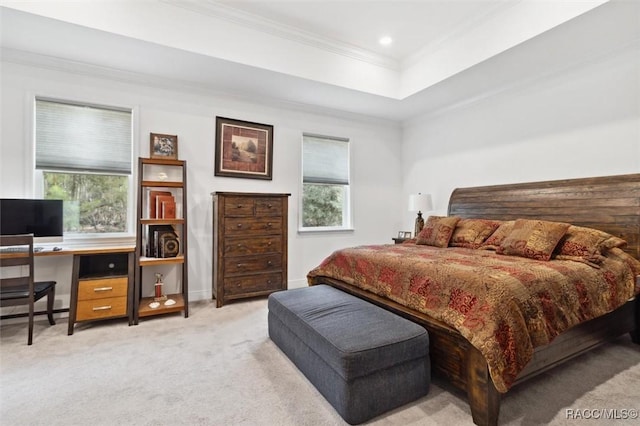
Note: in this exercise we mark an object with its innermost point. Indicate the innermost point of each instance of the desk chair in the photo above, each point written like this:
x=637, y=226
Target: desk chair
x=17, y=287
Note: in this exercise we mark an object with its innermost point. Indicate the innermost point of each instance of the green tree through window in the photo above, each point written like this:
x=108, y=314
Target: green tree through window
x=93, y=203
x=322, y=205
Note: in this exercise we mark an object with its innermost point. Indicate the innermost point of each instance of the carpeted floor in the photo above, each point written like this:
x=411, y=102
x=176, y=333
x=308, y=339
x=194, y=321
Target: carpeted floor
x=218, y=367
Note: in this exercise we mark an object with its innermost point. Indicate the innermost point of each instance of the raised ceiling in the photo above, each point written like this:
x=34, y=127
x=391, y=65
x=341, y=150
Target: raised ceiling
x=321, y=54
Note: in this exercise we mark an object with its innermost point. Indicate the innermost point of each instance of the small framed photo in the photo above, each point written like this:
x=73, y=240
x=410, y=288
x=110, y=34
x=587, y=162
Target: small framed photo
x=401, y=234
x=243, y=149
x=406, y=234
x=164, y=146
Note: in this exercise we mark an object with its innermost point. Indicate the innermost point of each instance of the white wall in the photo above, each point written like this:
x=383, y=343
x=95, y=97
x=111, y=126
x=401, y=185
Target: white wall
x=375, y=160
x=579, y=123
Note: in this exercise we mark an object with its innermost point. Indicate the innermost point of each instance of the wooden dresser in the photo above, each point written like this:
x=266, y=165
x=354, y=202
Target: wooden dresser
x=249, y=244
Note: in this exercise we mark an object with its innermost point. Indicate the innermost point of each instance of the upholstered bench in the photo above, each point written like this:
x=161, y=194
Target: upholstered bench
x=363, y=359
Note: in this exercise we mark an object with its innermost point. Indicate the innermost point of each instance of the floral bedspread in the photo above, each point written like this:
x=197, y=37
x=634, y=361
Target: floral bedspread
x=504, y=305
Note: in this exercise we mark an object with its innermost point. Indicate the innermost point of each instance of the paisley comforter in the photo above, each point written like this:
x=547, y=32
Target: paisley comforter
x=504, y=305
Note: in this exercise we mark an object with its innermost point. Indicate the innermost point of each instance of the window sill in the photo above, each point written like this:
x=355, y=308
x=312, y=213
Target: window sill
x=324, y=230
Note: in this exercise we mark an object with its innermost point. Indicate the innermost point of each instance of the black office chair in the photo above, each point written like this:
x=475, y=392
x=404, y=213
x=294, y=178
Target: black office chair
x=17, y=286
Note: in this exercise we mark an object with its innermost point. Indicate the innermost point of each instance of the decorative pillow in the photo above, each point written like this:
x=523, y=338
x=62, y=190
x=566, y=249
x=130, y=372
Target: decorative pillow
x=494, y=241
x=586, y=244
x=534, y=239
x=437, y=231
x=471, y=233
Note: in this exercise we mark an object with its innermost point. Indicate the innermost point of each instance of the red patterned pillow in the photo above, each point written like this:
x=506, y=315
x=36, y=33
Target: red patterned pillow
x=437, y=231
x=534, y=239
x=586, y=244
x=471, y=233
x=494, y=241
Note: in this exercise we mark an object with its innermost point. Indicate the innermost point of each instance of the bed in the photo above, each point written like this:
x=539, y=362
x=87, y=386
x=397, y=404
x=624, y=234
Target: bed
x=610, y=204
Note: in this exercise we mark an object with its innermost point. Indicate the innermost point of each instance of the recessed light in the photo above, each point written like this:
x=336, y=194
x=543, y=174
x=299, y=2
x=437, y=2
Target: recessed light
x=385, y=41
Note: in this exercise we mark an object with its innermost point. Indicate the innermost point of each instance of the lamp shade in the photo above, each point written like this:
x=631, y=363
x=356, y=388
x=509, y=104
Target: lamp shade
x=420, y=203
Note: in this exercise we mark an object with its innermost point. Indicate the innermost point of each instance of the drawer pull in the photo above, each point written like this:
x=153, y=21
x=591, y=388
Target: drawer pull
x=269, y=225
x=269, y=206
x=240, y=265
x=269, y=263
x=269, y=282
x=102, y=308
x=97, y=289
x=269, y=243
x=239, y=206
x=240, y=245
x=239, y=225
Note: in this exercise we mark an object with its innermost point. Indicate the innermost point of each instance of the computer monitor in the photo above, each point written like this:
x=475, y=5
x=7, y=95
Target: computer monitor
x=42, y=218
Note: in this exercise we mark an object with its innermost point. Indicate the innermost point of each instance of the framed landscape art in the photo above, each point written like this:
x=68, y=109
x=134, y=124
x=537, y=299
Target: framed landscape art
x=243, y=149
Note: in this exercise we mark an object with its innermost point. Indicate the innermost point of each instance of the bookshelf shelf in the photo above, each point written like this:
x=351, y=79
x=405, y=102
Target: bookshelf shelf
x=146, y=311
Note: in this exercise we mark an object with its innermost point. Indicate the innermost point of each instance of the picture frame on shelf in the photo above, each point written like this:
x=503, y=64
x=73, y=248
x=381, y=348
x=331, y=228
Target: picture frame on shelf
x=163, y=146
x=243, y=149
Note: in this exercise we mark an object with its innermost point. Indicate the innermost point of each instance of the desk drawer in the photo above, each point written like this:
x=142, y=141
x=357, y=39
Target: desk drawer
x=101, y=308
x=102, y=288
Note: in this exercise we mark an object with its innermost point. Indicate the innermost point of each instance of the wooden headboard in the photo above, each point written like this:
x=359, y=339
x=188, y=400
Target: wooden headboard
x=608, y=203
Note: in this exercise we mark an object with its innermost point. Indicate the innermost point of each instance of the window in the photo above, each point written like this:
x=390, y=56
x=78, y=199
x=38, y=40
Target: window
x=83, y=156
x=325, y=184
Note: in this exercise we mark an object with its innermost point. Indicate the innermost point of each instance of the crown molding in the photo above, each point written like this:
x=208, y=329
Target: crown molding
x=257, y=23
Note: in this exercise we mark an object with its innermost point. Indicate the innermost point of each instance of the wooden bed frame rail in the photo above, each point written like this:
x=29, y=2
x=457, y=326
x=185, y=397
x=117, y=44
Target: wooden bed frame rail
x=610, y=203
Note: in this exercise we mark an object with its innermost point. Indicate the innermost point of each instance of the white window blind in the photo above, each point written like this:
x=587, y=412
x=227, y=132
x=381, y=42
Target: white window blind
x=325, y=160
x=82, y=138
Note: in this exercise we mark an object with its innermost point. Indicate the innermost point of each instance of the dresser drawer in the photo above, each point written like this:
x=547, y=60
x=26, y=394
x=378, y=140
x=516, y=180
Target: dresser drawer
x=238, y=206
x=249, y=264
x=246, y=225
x=102, y=288
x=268, y=207
x=252, y=284
x=253, y=245
x=101, y=308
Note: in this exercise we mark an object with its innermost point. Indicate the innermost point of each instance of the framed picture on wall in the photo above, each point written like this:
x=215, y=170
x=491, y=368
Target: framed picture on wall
x=243, y=149
x=164, y=146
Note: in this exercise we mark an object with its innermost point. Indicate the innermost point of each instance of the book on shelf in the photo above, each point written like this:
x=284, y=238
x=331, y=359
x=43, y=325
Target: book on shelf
x=160, y=199
x=153, y=204
x=169, y=209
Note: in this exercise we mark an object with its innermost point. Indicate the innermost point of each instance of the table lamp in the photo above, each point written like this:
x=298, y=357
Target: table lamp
x=419, y=202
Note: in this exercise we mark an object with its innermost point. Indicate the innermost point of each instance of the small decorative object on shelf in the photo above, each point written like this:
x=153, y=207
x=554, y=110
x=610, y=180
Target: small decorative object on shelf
x=159, y=297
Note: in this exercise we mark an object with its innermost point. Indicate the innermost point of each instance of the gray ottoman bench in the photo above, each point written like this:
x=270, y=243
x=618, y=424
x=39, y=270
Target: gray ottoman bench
x=363, y=359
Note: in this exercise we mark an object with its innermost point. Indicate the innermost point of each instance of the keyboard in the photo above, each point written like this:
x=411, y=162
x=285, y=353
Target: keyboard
x=14, y=249
x=19, y=249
